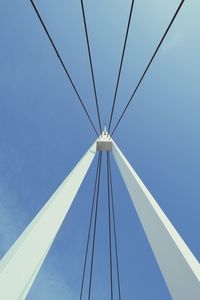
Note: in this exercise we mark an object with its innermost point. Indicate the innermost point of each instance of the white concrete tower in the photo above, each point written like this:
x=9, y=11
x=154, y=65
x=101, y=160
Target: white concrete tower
x=22, y=262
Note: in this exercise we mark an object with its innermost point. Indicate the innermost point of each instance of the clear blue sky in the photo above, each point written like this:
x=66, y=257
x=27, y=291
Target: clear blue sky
x=44, y=132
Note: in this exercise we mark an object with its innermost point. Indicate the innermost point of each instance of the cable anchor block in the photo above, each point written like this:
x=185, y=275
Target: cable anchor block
x=104, y=143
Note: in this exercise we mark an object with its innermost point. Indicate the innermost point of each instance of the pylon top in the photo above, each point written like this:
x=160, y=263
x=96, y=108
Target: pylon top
x=104, y=143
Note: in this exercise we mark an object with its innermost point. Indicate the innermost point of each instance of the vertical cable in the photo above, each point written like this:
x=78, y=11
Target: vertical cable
x=95, y=224
x=149, y=64
x=63, y=65
x=109, y=224
x=121, y=63
x=89, y=230
x=91, y=65
x=115, y=232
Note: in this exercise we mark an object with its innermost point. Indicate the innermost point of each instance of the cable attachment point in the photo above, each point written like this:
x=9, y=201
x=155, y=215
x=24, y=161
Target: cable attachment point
x=104, y=143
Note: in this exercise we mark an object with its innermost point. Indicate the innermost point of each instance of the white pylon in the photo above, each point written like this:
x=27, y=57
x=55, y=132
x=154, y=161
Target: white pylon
x=179, y=267
x=22, y=262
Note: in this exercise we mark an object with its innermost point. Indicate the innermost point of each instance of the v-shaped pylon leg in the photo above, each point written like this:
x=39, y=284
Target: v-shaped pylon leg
x=22, y=262
x=178, y=265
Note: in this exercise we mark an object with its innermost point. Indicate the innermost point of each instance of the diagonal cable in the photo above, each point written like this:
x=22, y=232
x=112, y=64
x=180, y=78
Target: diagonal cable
x=91, y=65
x=114, y=229
x=89, y=230
x=147, y=67
x=121, y=63
x=109, y=228
x=94, y=232
x=63, y=65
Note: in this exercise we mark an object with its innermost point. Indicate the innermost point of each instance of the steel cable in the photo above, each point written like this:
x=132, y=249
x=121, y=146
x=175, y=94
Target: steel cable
x=94, y=232
x=121, y=63
x=91, y=65
x=63, y=65
x=147, y=67
x=89, y=230
x=109, y=228
x=114, y=230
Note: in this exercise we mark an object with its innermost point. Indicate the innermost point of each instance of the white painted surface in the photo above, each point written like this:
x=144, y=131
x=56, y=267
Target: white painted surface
x=104, y=142
x=22, y=262
x=179, y=267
